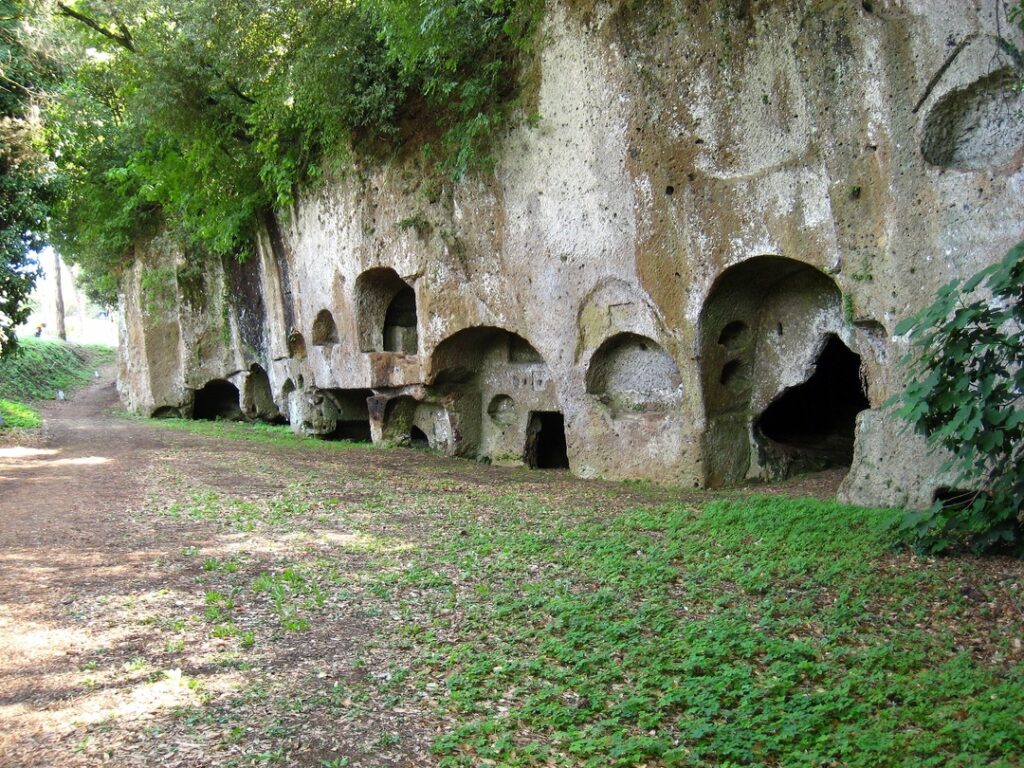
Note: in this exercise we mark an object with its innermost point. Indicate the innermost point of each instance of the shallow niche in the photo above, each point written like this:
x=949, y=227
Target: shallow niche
x=385, y=312
x=978, y=126
x=325, y=330
x=502, y=410
x=296, y=345
x=632, y=373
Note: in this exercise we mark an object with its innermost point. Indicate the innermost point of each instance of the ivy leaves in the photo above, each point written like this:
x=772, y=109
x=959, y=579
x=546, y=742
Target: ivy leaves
x=967, y=396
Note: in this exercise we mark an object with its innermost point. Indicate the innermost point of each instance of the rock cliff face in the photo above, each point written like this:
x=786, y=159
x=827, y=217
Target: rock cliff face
x=688, y=270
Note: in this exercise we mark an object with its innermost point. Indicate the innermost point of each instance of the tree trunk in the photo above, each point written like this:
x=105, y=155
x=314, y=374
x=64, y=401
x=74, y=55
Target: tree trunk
x=61, y=330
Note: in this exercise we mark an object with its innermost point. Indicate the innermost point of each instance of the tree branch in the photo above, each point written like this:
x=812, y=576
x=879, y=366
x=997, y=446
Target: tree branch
x=121, y=36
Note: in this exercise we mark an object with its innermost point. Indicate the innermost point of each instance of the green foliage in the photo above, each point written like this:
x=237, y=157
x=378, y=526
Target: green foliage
x=967, y=396
x=42, y=367
x=201, y=116
x=743, y=633
x=25, y=189
x=18, y=416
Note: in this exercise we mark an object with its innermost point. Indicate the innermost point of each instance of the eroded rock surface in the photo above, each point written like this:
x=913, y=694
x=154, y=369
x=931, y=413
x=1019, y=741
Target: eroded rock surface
x=718, y=216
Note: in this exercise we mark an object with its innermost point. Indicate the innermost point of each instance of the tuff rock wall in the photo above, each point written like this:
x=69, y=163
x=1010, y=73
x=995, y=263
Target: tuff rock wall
x=691, y=267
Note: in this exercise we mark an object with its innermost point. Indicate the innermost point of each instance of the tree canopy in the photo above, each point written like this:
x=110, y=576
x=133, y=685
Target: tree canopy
x=25, y=187
x=200, y=115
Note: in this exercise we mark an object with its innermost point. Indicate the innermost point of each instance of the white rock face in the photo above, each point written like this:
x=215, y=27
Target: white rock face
x=710, y=220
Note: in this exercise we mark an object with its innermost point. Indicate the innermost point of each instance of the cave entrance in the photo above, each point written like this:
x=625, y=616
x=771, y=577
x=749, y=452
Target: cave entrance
x=812, y=424
x=352, y=431
x=418, y=439
x=218, y=399
x=545, y=441
x=352, y=415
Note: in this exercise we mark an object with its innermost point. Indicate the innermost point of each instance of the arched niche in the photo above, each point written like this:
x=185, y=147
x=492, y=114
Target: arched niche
x=494, y=383
x=217, y=399
x=385, y=312
x=468, y=353
x=978, y=126
x=296, y=345
x=629, y=372
x=770, y=326
x=325, y=331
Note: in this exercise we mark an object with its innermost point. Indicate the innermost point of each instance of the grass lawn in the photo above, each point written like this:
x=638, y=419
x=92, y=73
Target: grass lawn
x=561, y=623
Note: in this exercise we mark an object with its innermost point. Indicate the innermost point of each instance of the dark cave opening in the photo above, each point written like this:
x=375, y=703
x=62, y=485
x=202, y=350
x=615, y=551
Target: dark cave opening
x=218, y=399
x=418, y=438
x=545, y=445
x=815, y=421
x=354, y=431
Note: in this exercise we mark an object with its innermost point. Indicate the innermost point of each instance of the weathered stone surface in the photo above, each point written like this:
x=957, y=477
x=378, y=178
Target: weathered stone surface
x=713, y=193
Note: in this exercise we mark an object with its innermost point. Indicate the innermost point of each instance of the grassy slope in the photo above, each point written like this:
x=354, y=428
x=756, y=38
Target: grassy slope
x=19, y=416
x=39, y=371
x=43, y=367
x=748, y=631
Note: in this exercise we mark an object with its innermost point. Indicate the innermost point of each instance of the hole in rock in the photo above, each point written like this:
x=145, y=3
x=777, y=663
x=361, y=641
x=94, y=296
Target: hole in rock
x=954, y=498
x=545, y=441
x=166, y=412
x=219, y=399
x=735, y=335
x=815, y=420
x=418, y=438
x=351, y=413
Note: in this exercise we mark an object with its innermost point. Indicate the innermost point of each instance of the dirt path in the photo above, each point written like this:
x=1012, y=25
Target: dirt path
x=60, y=503
x=135, y=630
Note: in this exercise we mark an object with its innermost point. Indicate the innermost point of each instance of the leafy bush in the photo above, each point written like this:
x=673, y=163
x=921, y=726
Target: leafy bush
x=967, y=396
